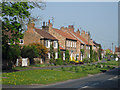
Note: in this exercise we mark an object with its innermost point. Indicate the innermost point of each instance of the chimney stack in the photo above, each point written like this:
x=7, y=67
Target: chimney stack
x=78, y=32
x=70, y=28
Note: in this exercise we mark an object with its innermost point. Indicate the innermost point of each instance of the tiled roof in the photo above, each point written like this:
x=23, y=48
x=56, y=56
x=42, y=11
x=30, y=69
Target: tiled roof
x=45, y=34
x=75, y=37
x=64, y=34
x=85, y=41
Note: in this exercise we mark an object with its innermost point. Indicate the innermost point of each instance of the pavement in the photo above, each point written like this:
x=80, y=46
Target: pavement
x=108, y=80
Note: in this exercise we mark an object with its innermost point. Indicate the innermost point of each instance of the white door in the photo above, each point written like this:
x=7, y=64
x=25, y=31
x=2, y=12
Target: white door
x=24, y=61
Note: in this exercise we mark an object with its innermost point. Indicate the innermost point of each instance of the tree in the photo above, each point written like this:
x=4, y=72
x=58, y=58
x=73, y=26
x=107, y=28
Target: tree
x=52, y=54
x=99, y=52
x=9, y=55
x=67, y=56
x=29, y=52
x=91, y=54
x=59, y=53
x=41, y=49
x=14, y=16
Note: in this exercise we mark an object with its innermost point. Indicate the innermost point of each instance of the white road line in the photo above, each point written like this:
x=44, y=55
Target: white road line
x=85, y=87
x=95, y=83
x=116, y=77
x=110, y=79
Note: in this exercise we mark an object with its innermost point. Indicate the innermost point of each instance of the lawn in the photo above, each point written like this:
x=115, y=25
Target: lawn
x=39, y=77
x=47, y=76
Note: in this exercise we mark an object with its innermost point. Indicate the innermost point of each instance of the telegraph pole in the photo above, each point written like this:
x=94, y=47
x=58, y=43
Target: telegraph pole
x=112, y=48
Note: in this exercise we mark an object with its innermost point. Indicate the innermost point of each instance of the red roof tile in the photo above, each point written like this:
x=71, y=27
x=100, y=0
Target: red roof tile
x=45, y=34
x=85, y=41
x=64, y=34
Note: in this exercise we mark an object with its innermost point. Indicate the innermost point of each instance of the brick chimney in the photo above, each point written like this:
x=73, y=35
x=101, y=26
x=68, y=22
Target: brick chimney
x=50, y=26
x=62, y=28
x=45, y=27
x=78, y=31
x=70, y=28
x=83, y=33
x=30, y=26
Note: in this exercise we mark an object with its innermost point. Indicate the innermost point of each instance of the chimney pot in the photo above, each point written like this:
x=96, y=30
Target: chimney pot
x=43, y=23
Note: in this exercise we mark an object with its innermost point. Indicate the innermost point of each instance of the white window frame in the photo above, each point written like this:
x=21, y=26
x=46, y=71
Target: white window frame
x=55, y=44
x=75, y=44
x=47, y=43
x=71, y=43
x=56, y=55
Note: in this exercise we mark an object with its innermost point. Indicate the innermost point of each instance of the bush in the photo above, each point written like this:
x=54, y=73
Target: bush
x=29, y=52
x=59, y=61
x=86, y=60
x=9, y=54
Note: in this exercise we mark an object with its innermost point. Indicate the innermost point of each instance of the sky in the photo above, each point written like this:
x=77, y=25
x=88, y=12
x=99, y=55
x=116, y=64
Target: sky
x=99, y=18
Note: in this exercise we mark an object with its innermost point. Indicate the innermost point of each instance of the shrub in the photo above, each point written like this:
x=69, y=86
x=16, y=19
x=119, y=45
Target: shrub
x=59, y=61
x=86, y=60
x=67, y=56
x=9, y=54
x=29, y=52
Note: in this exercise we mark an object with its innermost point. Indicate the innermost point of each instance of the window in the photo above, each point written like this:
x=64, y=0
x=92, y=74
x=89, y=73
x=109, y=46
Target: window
x=75, y=44
x=71, y=43
x=21, y=41
x=63, y=55
x=55, y=44
x=47, y=44
x=81, y=46
x=56, y=55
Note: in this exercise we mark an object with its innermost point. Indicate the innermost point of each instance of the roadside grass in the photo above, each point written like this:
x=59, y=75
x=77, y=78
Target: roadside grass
x=39, y=77
x=0, y=78
x=53, y=75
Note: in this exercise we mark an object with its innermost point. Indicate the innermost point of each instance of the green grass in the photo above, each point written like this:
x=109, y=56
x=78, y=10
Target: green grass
x=54, y=75
x=39, y=77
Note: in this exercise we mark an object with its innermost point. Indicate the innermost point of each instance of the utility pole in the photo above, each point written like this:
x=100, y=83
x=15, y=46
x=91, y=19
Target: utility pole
x=112, y=48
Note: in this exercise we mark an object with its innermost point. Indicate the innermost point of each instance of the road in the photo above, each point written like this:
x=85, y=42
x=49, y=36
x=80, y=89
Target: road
x=103, y=80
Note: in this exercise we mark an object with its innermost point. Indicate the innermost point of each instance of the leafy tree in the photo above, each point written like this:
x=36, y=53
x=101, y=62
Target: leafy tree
x=29, y=52
x=67, y=56
x=95, y=56
x=41, y=49
x=99, y=52
x=91, y=54
x=14, y=17
x=59, y=53
x=52, y=54
x=9, y=55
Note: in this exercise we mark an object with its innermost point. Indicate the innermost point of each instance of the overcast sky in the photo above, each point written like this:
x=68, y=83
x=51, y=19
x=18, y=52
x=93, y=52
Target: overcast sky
x=100, y=18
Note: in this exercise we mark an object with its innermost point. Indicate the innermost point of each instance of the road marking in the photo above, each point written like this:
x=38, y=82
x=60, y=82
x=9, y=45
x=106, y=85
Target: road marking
x=116, y=77
x=95, y=83
x=110, y=78
x=85, y=87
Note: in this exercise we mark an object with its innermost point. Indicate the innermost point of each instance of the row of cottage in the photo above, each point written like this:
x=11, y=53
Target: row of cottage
x=65, y=36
